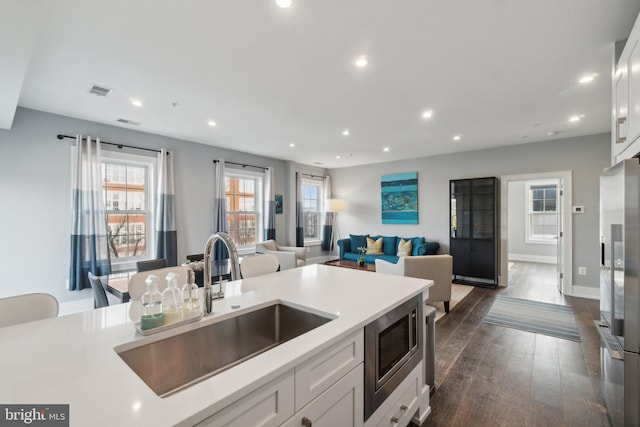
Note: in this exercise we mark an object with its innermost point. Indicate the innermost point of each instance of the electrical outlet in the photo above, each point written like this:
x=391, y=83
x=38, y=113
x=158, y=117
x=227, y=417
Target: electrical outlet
x=582, y=270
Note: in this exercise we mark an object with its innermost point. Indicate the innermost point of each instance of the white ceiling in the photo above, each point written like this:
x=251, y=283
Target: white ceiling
x=497, y=72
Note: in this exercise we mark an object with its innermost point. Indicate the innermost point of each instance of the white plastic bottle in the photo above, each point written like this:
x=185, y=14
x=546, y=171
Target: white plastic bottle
x=191, y=299
x=172, y=300
x=151, y=305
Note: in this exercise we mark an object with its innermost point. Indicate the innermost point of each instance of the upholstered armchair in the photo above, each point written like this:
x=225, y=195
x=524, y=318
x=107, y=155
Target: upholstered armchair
x=438, y=268
x=289, y=256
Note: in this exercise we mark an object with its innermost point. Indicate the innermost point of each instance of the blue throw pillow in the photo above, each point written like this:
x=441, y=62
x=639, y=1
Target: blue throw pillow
x=358, y=241
x=415, y=242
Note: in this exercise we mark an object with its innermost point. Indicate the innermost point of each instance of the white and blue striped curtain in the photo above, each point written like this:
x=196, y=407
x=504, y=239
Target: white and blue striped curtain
x=220, y=210
x=327, y=225
x=89, y=236
x=166, y=238
x=299, y=212
x=269, y=205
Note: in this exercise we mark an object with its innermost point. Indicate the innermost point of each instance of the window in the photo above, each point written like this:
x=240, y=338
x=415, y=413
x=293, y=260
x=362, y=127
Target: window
x=244, y=208
x=543, y=217
x=312, y=199
x=128, y=196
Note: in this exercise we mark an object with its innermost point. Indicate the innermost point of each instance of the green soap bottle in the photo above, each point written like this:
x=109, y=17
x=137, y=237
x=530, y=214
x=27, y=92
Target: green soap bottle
x=151, y=305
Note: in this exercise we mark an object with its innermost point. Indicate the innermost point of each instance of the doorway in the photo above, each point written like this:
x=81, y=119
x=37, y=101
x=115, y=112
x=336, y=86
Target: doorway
x=535, y=223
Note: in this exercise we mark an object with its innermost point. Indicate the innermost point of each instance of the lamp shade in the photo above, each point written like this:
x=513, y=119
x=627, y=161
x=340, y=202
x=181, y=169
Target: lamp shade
x=334, y=205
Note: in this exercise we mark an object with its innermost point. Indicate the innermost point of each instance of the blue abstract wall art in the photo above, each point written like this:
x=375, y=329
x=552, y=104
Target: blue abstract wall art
x=399, y=198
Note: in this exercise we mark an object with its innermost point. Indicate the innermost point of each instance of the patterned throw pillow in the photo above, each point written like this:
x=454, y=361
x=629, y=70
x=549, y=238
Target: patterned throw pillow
x=405, y=247
x=374, y=247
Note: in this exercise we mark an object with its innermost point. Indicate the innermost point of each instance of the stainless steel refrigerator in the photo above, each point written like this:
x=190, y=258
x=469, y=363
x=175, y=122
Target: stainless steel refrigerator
x=619, y=291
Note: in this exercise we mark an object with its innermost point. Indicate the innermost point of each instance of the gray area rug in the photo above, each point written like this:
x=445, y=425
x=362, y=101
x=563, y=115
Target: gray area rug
x=534, y=316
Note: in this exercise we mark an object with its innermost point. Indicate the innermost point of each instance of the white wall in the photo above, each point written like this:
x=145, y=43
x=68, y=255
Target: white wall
x=35, y=185
x=585, y=156
x=519, y=248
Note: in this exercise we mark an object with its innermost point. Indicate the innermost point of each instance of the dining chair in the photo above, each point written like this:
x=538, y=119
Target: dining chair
x=99, y=294
x=27, y=308
x=151, y=264
x=251, y=266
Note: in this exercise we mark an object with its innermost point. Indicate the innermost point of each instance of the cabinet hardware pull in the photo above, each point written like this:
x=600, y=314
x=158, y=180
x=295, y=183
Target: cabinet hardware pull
x=620, y=121
x=306, y=422
x=396, y=420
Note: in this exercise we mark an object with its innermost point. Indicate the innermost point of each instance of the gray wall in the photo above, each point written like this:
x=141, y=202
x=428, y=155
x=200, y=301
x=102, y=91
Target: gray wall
x=585, y=156
x=518, y=245
x=35, y=186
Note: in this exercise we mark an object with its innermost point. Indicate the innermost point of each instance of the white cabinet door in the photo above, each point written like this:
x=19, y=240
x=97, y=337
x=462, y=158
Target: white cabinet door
x=620, y=107
x=633, y=72
x=269, y=405
x=342, y=405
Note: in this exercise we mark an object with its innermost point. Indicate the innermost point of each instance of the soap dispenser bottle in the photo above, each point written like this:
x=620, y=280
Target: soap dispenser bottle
x=172, y=300
x=191, y=299
x=151, y=305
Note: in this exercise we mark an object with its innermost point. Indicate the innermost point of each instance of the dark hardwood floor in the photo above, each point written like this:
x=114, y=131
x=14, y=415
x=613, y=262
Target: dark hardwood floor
x=489, y=375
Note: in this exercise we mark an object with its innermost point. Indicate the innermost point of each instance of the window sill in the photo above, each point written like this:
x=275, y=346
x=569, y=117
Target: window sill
x=312, y=243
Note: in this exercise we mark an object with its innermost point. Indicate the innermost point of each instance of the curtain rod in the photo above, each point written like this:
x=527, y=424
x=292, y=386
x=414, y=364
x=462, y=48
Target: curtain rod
x=114, y=144
x=244, y=165
x=312, y=176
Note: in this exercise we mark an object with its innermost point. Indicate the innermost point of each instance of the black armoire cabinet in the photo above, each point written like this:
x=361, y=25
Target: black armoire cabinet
x=473, y=241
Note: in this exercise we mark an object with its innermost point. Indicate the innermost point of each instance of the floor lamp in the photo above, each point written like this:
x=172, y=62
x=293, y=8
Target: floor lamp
x=335, y=206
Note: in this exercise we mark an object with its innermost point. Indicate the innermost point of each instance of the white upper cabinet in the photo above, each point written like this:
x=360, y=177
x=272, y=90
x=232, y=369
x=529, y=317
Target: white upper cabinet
x=625, y=131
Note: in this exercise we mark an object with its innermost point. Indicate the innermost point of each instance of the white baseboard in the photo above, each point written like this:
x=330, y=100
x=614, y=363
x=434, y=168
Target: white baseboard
x=533, y=258
x=585, y=292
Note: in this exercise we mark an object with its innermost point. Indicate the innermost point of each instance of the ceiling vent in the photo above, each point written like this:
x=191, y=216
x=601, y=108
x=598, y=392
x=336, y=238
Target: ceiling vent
x=129, y=122
x=99, y=90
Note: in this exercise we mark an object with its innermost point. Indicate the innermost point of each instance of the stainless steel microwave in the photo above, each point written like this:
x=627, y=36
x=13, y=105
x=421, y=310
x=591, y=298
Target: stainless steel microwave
x=393, y=347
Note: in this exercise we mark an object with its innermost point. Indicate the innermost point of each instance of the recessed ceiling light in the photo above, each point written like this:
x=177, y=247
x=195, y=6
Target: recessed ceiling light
x=211, y=123
x=385, y=149
x=588, y=78
x=136, y=102
x=337, y=157
x=292, y=145
x=427, y=114
x=283, y=3
x=457, y=137
x=345, y=132
x=362, y=61
x=574, y=118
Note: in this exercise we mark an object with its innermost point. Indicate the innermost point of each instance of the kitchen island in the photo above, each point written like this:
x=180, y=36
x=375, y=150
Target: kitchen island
x=71, y=359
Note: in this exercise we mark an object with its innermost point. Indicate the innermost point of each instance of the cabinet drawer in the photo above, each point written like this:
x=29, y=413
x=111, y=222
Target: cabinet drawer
x=323, y=370
x=403, y=403
x=269, y=405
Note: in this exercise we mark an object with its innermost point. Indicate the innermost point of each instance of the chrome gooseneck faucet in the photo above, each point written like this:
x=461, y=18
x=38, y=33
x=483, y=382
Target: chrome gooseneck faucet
x=209, y=295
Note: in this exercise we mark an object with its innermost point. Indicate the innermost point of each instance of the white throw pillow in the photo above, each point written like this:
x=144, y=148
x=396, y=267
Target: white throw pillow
x=405, y=248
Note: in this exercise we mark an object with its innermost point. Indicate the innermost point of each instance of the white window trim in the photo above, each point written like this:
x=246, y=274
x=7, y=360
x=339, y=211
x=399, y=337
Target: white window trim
x=259, y=203
x=320, y=184
x=151, y=162
x=527, y=210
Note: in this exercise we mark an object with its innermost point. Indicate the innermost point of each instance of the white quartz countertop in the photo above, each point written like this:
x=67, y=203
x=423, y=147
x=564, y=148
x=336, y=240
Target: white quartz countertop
x=71, y=359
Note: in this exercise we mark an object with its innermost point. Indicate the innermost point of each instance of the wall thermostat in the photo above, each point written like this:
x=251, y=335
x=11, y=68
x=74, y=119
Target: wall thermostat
x=578, y=209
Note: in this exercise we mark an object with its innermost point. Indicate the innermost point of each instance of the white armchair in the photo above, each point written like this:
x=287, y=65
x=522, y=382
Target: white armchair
x=289, y=256
x=438, y=268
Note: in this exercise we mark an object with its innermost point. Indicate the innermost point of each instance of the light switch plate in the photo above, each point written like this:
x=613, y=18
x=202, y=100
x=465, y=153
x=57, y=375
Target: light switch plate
x=578, y=209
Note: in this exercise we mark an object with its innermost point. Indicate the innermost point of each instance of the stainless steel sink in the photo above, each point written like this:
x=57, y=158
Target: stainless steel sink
x=179, y=361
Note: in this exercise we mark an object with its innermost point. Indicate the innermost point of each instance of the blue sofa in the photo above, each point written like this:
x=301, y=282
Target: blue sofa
x=348, y=247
